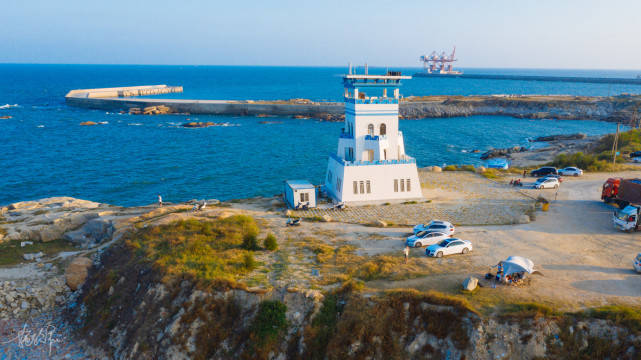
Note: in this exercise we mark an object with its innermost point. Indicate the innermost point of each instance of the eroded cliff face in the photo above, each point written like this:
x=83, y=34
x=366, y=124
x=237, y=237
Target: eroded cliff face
x=130, y=310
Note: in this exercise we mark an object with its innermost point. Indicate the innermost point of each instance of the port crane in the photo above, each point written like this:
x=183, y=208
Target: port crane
x=439, y=63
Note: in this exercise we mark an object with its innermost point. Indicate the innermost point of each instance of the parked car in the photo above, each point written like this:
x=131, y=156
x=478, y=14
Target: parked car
x=426, y=237
x=547, y=183
x=449, y=247
x=435, y=225
x=636, y=159
x=635, y=154
x=546, y=170
x=637, y=263
x=558, y=177
x=571, y=171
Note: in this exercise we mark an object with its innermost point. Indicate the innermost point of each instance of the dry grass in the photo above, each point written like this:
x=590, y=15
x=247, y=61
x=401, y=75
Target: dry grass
x=206, y=250
x=341, y=262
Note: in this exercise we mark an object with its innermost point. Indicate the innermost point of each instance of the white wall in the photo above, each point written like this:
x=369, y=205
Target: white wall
x=381, y=178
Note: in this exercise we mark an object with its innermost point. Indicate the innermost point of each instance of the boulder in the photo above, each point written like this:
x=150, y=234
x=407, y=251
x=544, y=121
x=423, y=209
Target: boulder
x=225, y=214
x=480, y=169
x=436, y=169
x=326, y=218
x=95, y=230
x=524, y=219
x=379, y=223
x=88, y=123
x=577, y=136
x=77, y=272
x=470, y=283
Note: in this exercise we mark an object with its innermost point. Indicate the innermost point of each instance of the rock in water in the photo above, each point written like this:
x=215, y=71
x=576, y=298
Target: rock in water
x=578, y=136
x=77, y=272
x=470, y=283
x=88, y=123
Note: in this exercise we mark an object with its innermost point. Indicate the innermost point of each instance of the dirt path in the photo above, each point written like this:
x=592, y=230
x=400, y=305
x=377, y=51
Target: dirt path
x=584, y=259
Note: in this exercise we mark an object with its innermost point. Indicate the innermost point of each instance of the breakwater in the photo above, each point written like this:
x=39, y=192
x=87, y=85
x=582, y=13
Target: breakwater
x=621, y=109
x=126, y=91
x=574, y=79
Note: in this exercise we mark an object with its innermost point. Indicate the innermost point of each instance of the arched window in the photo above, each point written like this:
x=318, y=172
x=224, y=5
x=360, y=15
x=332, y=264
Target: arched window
x=383, y=129
x=370, y=129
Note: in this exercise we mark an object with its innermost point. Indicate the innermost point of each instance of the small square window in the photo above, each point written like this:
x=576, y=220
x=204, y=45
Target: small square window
x=408, y=186
x=402, y=185
x=355, y=187
x=362, y=184
x=368, y=185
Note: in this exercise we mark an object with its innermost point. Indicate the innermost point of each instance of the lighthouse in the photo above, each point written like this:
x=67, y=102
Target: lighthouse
x=370, y=163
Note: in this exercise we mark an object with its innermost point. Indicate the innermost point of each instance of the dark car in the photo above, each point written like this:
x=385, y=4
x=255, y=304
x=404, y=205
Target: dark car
x=546, y=170
x=635, y=154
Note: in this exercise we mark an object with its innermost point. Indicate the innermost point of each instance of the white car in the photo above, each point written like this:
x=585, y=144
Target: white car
x=571, y=171
x=547, y=183
x=423, y=238
x=449, y=247
x=435, y=225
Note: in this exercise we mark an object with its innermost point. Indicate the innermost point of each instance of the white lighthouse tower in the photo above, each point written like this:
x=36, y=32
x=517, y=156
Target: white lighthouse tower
x=370, y=163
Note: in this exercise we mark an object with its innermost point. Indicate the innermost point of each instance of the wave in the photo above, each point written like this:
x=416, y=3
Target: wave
x=135, y=124
x=8, y=106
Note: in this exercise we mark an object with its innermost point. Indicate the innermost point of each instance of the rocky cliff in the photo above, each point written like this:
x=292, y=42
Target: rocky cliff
x=128, y=308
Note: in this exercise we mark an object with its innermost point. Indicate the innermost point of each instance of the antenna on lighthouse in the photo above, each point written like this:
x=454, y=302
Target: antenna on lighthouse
x=365, y=68
x=350, y=68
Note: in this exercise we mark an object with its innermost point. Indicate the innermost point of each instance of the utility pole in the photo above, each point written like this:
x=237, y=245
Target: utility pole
x=615, y=145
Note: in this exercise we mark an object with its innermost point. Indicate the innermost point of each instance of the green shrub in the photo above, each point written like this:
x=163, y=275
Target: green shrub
x=270, y=242
x=628, y=141
x=248, y=261
x=250, y=242
x=323, y=327
x=269, y=325
x=467, y=168
x=450, y=168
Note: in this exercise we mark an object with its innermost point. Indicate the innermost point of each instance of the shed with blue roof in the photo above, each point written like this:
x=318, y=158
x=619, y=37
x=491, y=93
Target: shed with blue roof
x=300, y=194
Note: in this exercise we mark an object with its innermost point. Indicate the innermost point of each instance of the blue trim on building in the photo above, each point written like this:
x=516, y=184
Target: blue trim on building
x=372, y=101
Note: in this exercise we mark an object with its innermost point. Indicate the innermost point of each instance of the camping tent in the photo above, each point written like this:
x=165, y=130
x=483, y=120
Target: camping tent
x=515, y=264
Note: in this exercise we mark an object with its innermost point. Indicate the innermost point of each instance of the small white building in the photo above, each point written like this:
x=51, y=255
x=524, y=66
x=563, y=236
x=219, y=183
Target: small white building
x=299, y=194
x=370, y=163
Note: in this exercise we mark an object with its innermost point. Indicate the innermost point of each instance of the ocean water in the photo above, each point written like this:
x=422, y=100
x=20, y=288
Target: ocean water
x=129, y=160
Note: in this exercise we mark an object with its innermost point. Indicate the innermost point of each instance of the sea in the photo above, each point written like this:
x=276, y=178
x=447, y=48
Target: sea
x=130, y=160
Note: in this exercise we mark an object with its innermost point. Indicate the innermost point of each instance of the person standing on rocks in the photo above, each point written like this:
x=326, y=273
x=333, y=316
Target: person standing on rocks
x=159, y=201
x=524, y=172
x=406, y=252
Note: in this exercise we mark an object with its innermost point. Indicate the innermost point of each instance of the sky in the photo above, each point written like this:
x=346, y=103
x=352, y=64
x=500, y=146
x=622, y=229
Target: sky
x=558, y=34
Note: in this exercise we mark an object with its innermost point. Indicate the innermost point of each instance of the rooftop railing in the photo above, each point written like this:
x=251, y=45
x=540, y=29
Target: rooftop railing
x=372, y=101
x=405, y=160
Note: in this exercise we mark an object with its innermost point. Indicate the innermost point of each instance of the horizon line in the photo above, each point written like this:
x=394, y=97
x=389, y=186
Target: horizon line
x=313, y=66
